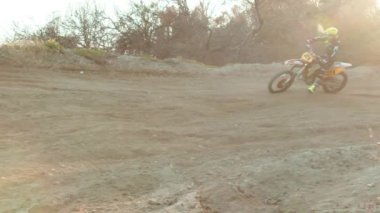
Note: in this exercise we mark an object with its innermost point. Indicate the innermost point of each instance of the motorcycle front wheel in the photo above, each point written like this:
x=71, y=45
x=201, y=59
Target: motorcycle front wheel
x=281, y=82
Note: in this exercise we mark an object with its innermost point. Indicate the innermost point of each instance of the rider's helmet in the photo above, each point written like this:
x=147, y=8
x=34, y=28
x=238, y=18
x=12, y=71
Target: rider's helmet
x=330, y=33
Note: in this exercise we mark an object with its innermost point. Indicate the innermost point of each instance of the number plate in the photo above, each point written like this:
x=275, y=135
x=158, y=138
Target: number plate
x=333, y=72
x=307, y=57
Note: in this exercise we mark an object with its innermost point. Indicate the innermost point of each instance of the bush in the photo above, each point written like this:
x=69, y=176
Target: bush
x=53, y=45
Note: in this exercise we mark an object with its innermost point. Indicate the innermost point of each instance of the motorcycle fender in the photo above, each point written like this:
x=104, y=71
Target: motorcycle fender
x=343, y=64
x=294, y=62
x=338, y=70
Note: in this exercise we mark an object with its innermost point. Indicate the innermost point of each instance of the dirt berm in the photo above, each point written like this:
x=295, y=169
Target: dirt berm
x=141, y=135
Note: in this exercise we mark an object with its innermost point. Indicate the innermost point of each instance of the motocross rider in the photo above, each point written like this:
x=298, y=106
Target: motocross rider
x=331, y=39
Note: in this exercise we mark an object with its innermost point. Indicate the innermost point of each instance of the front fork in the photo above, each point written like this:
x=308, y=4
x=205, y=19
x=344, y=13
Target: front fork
x=298, y=72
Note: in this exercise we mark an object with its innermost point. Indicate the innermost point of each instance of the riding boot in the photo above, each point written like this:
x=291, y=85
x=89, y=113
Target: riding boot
x=312, y=88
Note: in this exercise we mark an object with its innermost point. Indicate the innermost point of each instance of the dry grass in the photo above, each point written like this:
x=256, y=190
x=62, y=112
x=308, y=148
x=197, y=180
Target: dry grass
x=48, y=54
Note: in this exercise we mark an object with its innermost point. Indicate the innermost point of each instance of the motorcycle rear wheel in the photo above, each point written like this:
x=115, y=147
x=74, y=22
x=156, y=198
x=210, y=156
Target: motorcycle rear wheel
x=335, y=84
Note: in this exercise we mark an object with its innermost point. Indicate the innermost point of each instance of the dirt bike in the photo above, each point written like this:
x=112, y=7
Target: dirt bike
x=332, y=80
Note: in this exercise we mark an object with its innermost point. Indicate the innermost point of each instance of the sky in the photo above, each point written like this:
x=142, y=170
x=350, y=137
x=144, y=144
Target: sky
x=37, y=12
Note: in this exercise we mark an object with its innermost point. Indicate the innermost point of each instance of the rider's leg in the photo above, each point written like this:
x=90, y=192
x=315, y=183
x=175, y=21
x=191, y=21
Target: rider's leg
x=315, y=85
x=324, y=67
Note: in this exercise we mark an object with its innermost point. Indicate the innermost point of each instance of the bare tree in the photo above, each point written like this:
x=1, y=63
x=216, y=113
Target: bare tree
x=51, y=30
x=183, y=7
x=257, y=25
x=21, y=32
x=89, y=23
x=137, y=27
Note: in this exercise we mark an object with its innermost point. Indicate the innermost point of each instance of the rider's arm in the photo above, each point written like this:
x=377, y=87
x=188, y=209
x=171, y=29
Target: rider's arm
x=334, y=52
x=330, y=55
x=315, y=39
x=335, y=48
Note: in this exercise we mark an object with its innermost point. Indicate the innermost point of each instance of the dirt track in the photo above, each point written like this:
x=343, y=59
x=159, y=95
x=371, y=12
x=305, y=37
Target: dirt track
x=114, y=142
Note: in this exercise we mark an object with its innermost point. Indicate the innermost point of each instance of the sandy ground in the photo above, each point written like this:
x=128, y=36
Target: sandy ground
x=186, y=142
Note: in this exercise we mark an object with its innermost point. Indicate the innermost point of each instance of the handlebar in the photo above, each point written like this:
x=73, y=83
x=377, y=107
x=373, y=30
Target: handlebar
x=308, y=45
